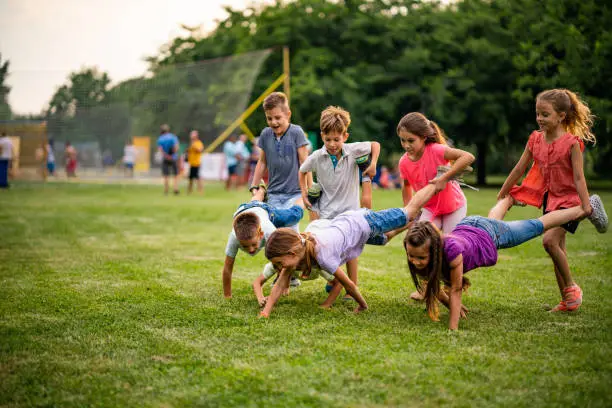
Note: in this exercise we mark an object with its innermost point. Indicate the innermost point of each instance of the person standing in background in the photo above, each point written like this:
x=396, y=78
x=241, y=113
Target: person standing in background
x=168, y=146
x=243, y=160
x=129, y=158
x=6, y=155
x=70, y=157
x=231, y=160
x=194, y=157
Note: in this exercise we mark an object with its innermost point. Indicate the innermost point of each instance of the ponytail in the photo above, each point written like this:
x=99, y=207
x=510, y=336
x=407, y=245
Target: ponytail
x=310, y=255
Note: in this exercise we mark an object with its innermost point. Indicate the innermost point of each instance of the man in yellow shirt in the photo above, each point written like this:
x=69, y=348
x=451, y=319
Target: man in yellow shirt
x=194, y=157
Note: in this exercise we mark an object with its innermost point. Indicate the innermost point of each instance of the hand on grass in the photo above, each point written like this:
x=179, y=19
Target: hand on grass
x=464, y=312
x=263, y=315
x=262, y=301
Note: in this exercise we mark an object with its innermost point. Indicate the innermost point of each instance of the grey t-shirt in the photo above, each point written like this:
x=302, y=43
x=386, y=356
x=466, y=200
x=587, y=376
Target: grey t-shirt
x=342, y=240
x=282, y=159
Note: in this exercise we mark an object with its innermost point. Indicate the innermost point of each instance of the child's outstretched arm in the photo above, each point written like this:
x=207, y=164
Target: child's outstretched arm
x=228, y=268
x=456, y=278
x=461, y=159
x=258, y=289
x=281, y=285
x=418, y=201
x=516, y=173
x=333, y=294
x=579, y=179
x=351, y=288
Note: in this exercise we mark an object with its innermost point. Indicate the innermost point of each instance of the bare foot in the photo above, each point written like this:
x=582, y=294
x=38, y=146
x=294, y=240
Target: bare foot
x=416, y=295
x=359, y=309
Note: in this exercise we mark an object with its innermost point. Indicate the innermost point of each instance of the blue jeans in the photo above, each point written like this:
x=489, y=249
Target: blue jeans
x=279, y=217
x=384, y=221
x=506, y=234
x=283, y=201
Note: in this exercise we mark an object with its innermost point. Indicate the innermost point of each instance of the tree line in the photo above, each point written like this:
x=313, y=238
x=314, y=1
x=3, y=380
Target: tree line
x=473, y=66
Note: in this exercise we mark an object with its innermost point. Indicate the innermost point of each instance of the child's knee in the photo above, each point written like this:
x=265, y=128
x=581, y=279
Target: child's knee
x=550, y=242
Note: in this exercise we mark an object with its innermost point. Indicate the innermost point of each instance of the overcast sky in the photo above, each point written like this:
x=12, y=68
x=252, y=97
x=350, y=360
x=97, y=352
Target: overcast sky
x=46, y=40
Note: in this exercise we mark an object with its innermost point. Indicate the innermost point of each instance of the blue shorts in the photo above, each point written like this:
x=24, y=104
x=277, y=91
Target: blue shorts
x=231, y=170
x=51, y=167
x=279, y=217
x=129, y=165
x=506, y=234
x=384, y=221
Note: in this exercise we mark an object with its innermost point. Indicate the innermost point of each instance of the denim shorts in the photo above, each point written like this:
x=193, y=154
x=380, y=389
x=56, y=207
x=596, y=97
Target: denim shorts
x=506, y=234
x=384, y=221
x=282, y=200
x=279, y=217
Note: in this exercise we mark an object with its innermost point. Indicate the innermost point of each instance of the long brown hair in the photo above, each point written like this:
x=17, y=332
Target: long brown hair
x=418, y=124
x=285, y=241
x=438, y=270
x=578, y=118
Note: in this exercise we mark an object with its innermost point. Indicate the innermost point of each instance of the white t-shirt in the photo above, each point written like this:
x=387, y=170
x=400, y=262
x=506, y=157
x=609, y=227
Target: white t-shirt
x=6, y=148
x=341, y=239
x=50, y=154
x=129, y=154
x=233, y=245
x=339, y=185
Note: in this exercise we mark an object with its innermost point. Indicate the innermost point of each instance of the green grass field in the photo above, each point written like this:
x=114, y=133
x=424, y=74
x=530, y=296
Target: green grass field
x=111, y=296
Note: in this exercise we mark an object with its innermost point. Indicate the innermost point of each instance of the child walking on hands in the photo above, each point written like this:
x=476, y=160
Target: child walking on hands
x=556, y=179
x=333, y=244
x=252, y=225
x=435, y=257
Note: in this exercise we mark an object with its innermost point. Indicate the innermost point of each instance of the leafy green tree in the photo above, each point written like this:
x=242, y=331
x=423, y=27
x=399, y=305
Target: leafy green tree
x=73, y=107
x=5, y=108
x=474, y=66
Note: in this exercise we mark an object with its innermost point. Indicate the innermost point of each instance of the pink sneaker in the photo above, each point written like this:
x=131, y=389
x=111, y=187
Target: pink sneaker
x=573, y=297
x=561, y=307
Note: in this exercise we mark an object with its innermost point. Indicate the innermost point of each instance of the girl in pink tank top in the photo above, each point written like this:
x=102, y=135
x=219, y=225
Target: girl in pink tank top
x=426, y=149
x=556, y=178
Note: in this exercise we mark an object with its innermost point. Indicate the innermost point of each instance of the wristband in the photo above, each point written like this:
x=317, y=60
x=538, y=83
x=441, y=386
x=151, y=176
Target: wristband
x=253, y=188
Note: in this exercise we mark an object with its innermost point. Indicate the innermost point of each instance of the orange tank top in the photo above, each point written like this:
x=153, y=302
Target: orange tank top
x=551, y=172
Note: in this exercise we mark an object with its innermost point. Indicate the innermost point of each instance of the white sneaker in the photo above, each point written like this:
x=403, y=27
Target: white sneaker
x=598, y=217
